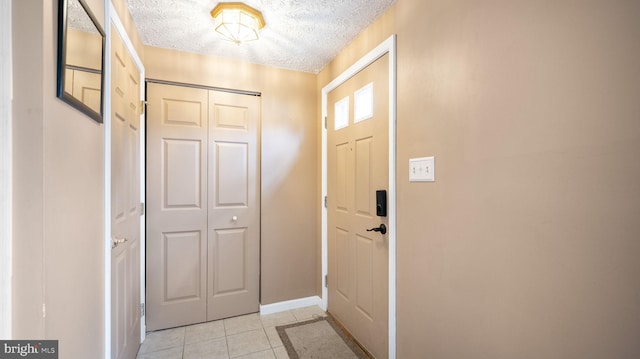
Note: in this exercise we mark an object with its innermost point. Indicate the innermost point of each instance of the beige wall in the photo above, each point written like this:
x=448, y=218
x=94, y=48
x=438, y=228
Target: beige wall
x=376, y=33
x=289, y=151
x=28, y=170
x=527, y=244
x=57, y=196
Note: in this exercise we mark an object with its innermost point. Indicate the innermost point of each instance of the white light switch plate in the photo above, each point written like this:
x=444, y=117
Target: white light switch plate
x=422, y=169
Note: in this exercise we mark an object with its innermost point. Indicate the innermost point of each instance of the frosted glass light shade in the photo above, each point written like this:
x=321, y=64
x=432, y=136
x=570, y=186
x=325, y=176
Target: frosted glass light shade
x=237, y=22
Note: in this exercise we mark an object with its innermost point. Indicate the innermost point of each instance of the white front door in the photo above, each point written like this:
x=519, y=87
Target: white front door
x=125, y=202
x=357, y=167
x=203, y=202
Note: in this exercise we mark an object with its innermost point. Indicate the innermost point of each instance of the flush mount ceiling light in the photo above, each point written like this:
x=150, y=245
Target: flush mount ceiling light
x=237, y=22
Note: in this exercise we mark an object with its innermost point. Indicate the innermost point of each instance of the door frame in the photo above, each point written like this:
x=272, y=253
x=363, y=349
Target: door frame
x=386, y=47
x=6, y=84
x=112, y=18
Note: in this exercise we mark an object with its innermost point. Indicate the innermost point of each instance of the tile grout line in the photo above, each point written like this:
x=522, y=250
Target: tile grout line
x=184, y=342
x=226, y=339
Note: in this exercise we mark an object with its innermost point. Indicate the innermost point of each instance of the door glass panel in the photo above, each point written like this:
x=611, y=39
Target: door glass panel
x=363, y=103
x=341, y=114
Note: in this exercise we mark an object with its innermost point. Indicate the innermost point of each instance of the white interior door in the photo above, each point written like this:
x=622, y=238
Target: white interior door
x=358, y=166
x=176, y=206
x=234, y=205
x=125, y=204
x=202, y=205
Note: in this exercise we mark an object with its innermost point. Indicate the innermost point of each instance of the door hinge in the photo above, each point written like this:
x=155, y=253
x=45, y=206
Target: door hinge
x=142, y=310
x=143, y=104
x=325, y=122
x=326, y=281
x=142, y=208
x=326, y=202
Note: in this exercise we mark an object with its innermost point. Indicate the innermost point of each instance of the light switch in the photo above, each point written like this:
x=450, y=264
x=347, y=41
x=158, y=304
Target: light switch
x=422, y=169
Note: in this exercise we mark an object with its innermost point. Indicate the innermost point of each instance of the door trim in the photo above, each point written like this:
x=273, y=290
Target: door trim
x=290, y=305
x=5, y=168
x=204, y=87
x=386, y=47
x=112, y=18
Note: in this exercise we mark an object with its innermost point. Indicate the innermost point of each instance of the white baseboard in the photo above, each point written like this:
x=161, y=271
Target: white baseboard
x=290, y=304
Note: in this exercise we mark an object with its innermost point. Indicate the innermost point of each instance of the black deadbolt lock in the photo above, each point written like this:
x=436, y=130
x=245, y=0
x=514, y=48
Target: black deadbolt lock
x=381, y=203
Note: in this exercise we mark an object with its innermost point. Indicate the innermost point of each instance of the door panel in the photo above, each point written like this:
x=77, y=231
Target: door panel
x=133, y=167
x=118, y=170
x=229, y=261
x=231, y=175
x=134, y=294
x=182, y=112
x=234, y=205
x=176, y=202
x=181, y=174
x=342, y=176
x=118, y=306
x=343, y=270
x=230, y=117
x=364, y=275
x=357, y=155
x=183, y=264
x=125, y=203
x=363, y=178
x=203, y=205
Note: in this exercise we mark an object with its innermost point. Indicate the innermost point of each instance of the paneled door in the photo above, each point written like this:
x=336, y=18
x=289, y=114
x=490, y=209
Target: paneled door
x=203, y=205
x=234, y=211
x=125, y=202
x=358, y=166
x=176, y=206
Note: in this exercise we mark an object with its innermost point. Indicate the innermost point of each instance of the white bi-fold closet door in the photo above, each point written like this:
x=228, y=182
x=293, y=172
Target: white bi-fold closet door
x=203, y=205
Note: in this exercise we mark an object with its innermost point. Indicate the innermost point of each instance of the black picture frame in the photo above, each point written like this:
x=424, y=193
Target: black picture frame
x=64, y=19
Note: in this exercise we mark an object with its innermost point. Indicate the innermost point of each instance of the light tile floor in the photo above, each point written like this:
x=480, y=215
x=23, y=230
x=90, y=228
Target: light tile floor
x=249, y=336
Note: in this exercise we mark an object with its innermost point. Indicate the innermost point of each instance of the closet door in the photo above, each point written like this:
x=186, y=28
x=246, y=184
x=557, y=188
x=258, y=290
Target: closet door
x=234, y=205
x=176, y=206
x=203, y=218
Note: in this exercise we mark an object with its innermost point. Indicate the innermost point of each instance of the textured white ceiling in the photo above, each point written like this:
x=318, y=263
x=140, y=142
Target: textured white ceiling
x=302, y=35
x=77, y=18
